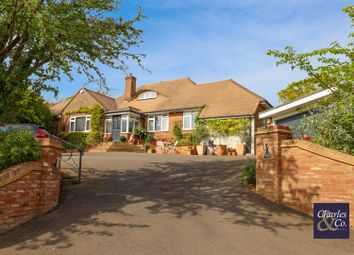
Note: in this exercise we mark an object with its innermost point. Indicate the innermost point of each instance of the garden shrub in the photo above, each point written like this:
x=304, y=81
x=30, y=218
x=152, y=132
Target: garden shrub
x=140, y=132
x=193, y=138
x=18, y=146
x=248, y=174
x=331, y=126
x=177, y=131
x=77, y=138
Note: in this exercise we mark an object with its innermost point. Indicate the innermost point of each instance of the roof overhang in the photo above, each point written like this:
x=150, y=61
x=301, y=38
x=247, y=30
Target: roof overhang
x=293, y=107
x=123, y=111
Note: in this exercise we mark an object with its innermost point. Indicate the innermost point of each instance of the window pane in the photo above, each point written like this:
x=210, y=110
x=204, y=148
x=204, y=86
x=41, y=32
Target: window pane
x=80, y=123
x=137, y=123
x=194, y=115
x=72, y=125
x=124, y=124
x=158, y=122
x=88, y=124
x=131, y=125
x=108, y=125
x=151, y=124
x=186, y=122
x=164, y=125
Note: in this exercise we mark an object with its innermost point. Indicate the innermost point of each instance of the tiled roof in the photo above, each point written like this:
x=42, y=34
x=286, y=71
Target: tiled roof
x=107, y=102
x=59, y=107
x=219, y=99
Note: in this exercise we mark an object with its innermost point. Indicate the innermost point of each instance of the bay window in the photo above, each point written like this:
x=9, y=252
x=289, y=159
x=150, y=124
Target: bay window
x=189, y=120
x=80, y=124
x=128, y=123
x=158, y=123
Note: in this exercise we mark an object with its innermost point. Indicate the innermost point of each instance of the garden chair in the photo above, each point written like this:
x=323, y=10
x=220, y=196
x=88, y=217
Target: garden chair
x=171, y=147
x=160, y=146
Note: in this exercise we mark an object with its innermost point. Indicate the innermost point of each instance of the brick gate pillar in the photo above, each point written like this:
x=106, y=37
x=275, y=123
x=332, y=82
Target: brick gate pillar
x=50, y=176
x=268, y=154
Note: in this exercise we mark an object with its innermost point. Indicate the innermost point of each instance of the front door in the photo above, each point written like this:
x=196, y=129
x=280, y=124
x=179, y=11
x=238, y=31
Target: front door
x=115, y=128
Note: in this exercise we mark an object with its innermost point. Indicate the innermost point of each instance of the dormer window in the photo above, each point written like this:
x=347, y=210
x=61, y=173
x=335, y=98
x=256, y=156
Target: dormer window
x=147, y=95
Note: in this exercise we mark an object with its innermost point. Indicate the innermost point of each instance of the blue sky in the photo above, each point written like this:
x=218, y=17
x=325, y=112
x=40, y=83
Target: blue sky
x=210, y=40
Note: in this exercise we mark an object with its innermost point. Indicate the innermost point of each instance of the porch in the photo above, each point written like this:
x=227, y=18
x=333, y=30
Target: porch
x=121, y=124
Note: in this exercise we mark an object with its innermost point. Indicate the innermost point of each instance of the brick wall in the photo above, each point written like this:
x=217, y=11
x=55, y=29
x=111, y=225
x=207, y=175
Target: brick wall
x=173, y=118
x=300, y=173
x=30, y=189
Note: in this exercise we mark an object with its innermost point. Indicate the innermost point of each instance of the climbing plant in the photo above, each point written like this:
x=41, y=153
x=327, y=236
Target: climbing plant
x=177, y=130
x=228, y=127
x=97, y=121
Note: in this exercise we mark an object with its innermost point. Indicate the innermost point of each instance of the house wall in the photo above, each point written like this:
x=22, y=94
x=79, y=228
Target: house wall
x=173, y=118
x=229, y=141
x=81, y=99
x=300, y=173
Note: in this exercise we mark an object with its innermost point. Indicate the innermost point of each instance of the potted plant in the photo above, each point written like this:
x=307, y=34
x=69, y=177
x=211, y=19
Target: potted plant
x=241, y=149
x=193, y=140
x=221, y=149
x=201, y=149
x=231, y=152
x=141, y=133
x=149, y=148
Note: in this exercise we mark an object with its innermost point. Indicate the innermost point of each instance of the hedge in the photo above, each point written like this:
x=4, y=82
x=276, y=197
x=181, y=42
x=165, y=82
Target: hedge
x=17, y=146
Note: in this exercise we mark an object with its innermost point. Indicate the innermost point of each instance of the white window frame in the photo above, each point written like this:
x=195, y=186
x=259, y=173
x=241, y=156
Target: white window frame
x=164, y=117
x=72, y=121
x=147, y=95
x=128, y=118
x=108, y=119
x=189, y=115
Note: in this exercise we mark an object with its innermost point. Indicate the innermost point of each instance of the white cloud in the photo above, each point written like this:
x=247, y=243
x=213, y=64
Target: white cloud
x=215, y=40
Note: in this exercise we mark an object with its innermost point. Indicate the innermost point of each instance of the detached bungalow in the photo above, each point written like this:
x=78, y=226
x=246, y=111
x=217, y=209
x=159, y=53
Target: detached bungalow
x=158, y=106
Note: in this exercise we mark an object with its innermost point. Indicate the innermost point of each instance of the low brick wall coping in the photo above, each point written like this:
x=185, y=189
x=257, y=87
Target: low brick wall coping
x=47, y=142
x=320, y=150
x=15, y=172
x=273, y=129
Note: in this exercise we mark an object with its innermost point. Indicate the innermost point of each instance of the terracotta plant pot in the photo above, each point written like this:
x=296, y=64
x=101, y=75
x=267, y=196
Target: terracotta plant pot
x=221, y=150
x=232, y=153
x=241, y=149
x=151, y=150
x=201, y=149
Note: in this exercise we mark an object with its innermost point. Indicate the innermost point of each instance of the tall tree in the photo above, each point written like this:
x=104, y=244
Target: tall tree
x=42, y=39
x=331, y=121
x=327, y=68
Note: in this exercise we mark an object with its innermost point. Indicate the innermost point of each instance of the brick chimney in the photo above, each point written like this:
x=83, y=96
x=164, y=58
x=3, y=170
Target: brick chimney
x=130, y=87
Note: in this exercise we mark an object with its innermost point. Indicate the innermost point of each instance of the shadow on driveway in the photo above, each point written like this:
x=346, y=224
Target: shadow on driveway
x=176, y=187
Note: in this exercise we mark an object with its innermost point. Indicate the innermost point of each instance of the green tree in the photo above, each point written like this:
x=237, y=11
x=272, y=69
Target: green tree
x=327, y=68
x=29, y=107
x=40, y=40
x=331, y=123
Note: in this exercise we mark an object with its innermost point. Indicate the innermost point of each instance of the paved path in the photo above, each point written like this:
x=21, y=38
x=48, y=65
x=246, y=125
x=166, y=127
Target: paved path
x=156, y=204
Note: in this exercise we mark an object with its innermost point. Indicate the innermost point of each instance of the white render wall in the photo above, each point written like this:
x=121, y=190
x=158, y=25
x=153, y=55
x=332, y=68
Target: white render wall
x=230, y=141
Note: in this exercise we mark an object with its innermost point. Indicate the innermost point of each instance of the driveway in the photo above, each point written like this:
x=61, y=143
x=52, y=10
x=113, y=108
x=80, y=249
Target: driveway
x=156, y=204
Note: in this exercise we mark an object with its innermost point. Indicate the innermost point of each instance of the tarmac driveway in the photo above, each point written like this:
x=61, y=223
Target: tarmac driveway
x=156, y=204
